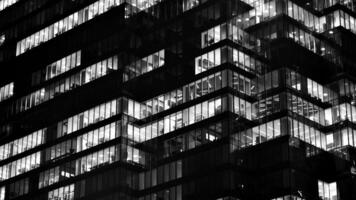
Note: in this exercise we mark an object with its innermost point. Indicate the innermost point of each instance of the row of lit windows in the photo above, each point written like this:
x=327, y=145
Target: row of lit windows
x=62, y=193
x=208, y=60
x=56, y=68
x=265, y=10
x=192, y=139
x=272, y=129
x=85, y=76
x=79, y=166
x=341, y=18
x=176, y=97
x=91, y=162
x=6, y=3
x=161, y=174
x=189, y=4
x=32, y=161
x=312, y=43
x=320, y=24
x=98, y=136
x=261, y=108
x=213, y=35
x=196, y=89
x=246, y=62
x=144, y=65
x=218, y=56
x=143, y=4
x=2, y=193
x=306, y=109
x=306, y=133
x=339, y=113
x=257, y=85
x=341, y=138
x=257, y=134
x=233, y=32
x=109, y=109
x=86, y=118
x=22, y=144
x=65, y=24
x=243, y=84
x=322, y=4
x=20, y=166
x=314, y=89
x=27, y=22
x=177, y=120
x=6, y=91
x=83, y=142
x=266, y=106
x=312, y=135
x=262, y=11
x=305, y=17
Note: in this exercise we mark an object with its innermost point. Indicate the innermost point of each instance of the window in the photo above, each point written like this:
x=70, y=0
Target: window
x=2, y=193
x=86, y=118
x=49, y=92
x=189, y=4
x=144, y=65
x=257, y=134
x=63, y=25
x=22, y=144
x=328, y=191
x=6, y=91
x=181, y=119
x=208, y=61
x=20, y=166
x=6, y=3
x=211, y=36
x=66, y=192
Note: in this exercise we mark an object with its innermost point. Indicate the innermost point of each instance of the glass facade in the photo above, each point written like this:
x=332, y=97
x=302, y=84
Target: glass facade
x=57, y=68
x=64, y=85
x=20, y=166
x=22, y=144
x=175, y=100
x=65, y=25
x=228, y=55
x=144, y=65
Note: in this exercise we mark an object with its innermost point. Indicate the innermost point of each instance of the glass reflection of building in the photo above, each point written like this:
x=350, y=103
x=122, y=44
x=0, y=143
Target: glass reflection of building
x=178, y=99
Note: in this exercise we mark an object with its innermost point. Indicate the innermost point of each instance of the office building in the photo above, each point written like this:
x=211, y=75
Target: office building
x=177, y=100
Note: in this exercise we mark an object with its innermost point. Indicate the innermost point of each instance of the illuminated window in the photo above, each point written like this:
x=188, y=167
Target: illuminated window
x=144, y=65
x=2, y=193
x=328, y=191
x=6, y=91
